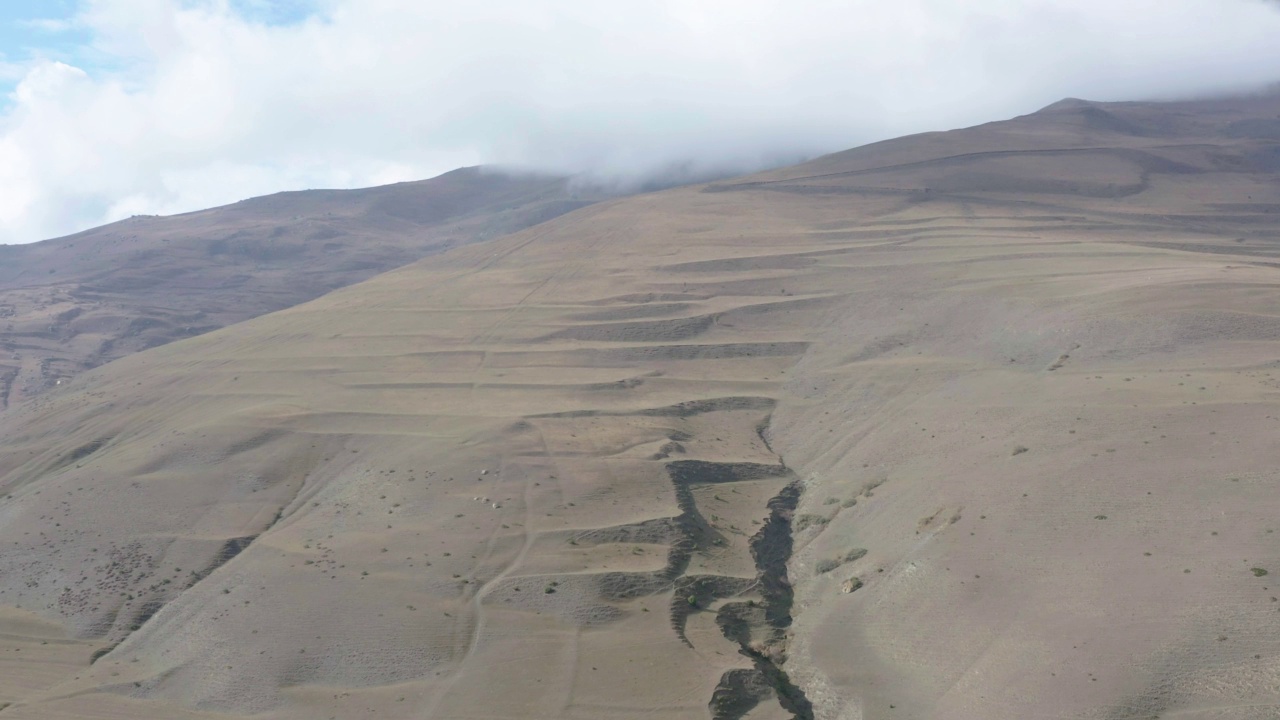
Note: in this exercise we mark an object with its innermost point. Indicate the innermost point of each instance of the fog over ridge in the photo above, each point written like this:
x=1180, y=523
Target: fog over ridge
x=175, y=105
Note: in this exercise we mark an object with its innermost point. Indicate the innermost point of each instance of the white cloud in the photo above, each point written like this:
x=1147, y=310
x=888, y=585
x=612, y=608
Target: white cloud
x=189, y=104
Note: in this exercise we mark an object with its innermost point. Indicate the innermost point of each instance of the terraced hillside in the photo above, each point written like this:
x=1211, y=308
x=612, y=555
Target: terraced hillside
x=973, y=425
x=77, y=302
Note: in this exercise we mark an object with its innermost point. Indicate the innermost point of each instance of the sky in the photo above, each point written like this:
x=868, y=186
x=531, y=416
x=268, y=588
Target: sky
x=111, y=108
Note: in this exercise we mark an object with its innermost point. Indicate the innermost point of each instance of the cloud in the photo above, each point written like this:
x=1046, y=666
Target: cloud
x=175, y=105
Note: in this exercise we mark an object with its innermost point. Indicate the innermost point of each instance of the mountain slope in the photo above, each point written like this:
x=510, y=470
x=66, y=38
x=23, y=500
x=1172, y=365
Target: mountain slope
x=968, y=425
x=80, y=301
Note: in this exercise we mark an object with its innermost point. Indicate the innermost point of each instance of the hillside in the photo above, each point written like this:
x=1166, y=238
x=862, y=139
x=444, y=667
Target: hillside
x=77, y=302
x=975, y=425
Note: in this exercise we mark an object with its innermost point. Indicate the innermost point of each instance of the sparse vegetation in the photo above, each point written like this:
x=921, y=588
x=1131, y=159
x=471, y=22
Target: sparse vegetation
x=808, y=520
x=826, y=565
x=454, y=372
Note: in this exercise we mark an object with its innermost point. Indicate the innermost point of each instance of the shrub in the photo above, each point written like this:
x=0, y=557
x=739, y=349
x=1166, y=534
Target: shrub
x=855, y=554
x=826, y=565
x=805, y=521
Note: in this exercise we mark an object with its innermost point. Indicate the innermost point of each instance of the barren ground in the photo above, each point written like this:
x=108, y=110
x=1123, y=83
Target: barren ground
x=74, y=303
x=975, y=425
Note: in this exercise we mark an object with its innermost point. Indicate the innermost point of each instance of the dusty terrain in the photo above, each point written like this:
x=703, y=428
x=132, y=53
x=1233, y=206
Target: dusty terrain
x=77, y=302
x=977, y=425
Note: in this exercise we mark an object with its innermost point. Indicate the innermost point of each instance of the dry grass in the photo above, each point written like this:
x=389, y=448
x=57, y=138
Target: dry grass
x=888, y=323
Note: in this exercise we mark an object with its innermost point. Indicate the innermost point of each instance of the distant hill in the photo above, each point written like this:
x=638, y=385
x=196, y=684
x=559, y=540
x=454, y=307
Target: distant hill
x=86, y=299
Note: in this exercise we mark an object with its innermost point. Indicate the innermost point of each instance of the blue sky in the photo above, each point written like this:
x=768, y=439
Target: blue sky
x=22, y=39
x=276, y=12
x=36, y=29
